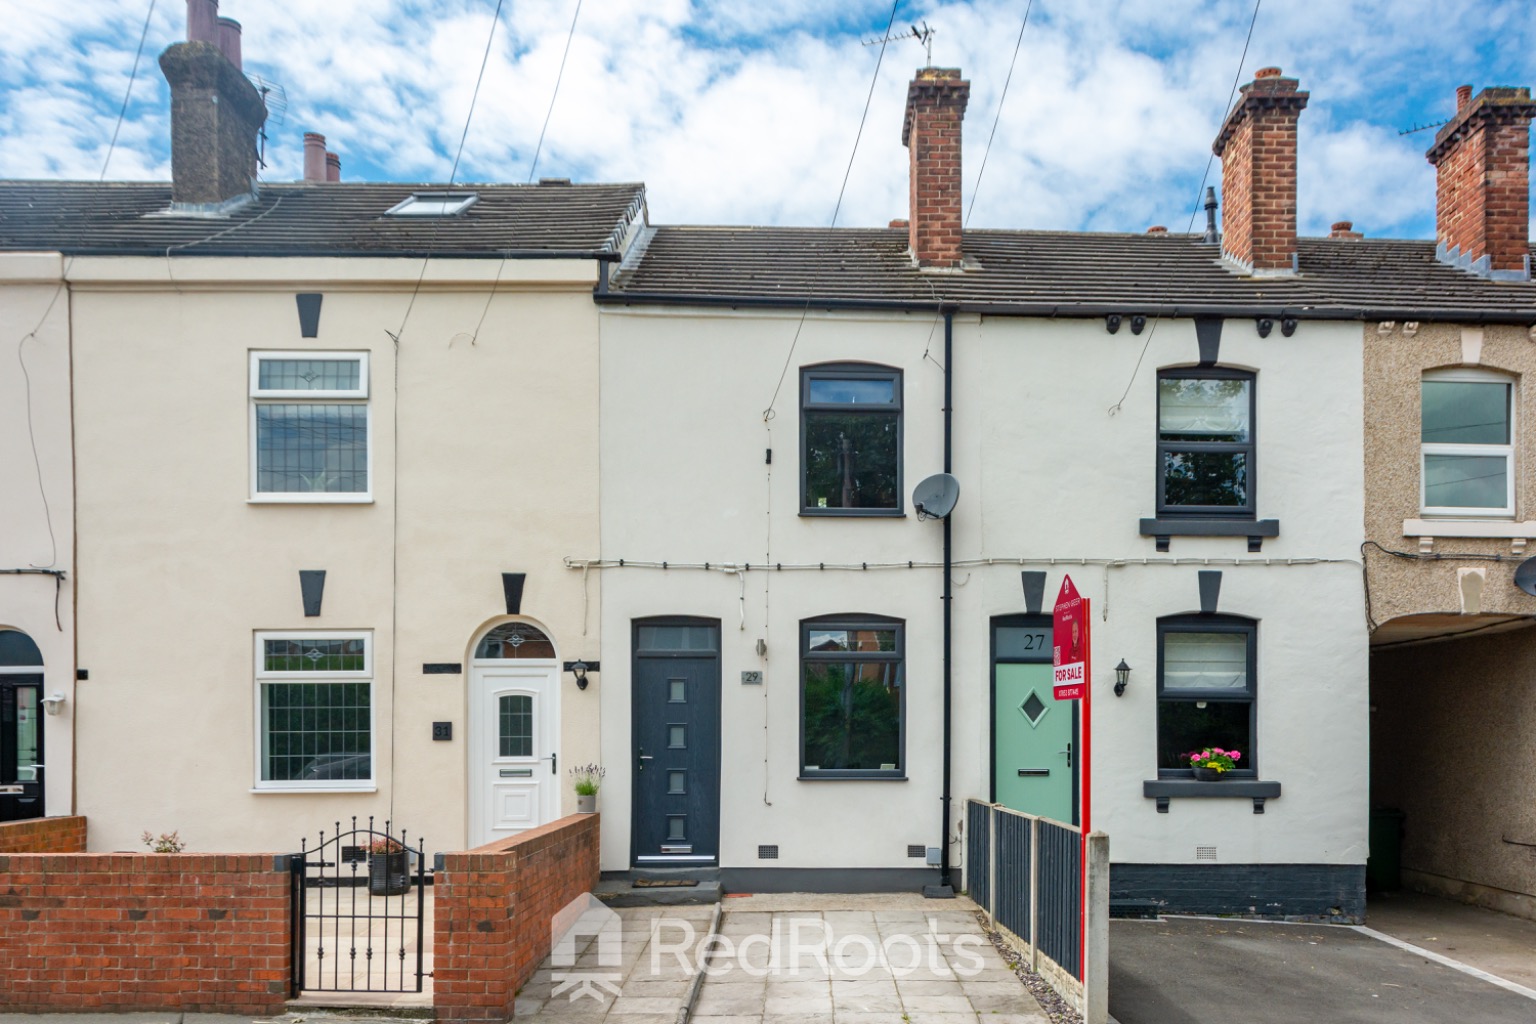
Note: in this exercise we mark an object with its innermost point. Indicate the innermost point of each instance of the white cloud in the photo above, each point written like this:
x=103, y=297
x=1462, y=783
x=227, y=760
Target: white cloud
x=738, y=111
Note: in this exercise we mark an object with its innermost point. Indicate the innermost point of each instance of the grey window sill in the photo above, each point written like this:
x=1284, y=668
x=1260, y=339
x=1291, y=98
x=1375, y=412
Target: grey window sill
x=1254, y=529
x=853, y=513
x=829, y=777
x=1164, y=790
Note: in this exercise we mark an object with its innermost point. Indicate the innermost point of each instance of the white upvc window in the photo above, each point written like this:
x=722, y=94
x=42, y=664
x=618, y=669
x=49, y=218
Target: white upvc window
x=314, y=711
x=311, y=433
x=1467, y=444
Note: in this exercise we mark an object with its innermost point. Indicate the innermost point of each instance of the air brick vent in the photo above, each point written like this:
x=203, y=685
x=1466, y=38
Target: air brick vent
x=767, y=853
x=1205, y=853
x=917, y=851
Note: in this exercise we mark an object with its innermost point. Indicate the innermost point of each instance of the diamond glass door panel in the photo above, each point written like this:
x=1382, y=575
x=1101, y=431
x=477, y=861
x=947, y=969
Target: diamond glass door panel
x=1036, y=763
x=513, y=752
x=677, y=758
x=21, y=749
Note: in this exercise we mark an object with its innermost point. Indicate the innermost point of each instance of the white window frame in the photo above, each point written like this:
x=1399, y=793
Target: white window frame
x=262, y=677
x=1483, y=450
x=260, y=396
x=433, y=204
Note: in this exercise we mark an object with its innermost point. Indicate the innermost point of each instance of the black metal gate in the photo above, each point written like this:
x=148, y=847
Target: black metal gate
x=358, y=911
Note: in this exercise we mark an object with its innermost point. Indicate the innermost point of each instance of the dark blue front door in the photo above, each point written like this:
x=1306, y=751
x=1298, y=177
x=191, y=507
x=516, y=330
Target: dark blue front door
x=21, y=748
x=676, y=716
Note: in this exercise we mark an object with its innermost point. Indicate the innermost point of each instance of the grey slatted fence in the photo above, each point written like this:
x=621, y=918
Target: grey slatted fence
x=1059, y=923
x=978, y=850
x=1026, y=872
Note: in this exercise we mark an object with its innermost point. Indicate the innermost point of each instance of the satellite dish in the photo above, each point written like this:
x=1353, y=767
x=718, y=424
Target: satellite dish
x=1525, y=576
x=935, y=497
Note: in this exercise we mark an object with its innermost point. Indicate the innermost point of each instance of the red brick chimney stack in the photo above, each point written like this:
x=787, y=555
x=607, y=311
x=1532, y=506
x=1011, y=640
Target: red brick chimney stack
x=332, y=167
x=936, y=102
x=1344, y=229
x=203, y=21
x=229, y=41
x=314, y=156
x=1257, y=147
x=1483, y=185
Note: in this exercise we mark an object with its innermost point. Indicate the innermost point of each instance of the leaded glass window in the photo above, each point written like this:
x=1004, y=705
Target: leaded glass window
x=316, y=710
x=515, y=640
x=310, y=426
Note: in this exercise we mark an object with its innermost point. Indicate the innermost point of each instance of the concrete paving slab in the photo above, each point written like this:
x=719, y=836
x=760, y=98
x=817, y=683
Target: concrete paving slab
x=1176, y=970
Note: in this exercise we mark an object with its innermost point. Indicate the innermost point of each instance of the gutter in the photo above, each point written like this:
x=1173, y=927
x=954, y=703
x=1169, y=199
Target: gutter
x=1082, y=310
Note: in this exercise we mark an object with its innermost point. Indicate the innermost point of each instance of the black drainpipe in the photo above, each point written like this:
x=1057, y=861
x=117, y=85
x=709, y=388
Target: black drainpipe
x=949, y=392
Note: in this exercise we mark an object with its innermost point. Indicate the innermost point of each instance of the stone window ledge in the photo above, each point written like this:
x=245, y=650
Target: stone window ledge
x=1254, y=529
x=1481, y=529
x=1164, y=790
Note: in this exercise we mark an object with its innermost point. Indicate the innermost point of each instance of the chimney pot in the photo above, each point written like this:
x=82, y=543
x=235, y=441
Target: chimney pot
x=332, y=167
x=203, y=21
x=1343, y=225
x=229, y=40
x=1266, y=73
x=899, y=222
x=1157, y=229
x=1463, y=97
x=314, y=156
x=1344, y=229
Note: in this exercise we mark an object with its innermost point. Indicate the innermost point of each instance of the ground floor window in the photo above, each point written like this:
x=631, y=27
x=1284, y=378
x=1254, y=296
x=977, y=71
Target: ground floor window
x=315, y=710
x=852, y=698
x=1206, y=673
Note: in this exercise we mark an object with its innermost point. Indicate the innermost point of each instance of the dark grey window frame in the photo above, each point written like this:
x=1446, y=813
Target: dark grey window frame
x=856, y=371
x=899, y=656
x=1248, y=448
x=1213, y=624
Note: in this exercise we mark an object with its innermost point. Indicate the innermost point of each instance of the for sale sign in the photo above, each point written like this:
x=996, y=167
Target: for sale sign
x=1069, y=624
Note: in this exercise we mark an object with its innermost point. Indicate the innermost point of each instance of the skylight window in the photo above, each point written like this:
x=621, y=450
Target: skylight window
x=433, y=204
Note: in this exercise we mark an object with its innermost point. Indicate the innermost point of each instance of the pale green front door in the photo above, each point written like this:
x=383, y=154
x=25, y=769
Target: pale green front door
x=1034, y=757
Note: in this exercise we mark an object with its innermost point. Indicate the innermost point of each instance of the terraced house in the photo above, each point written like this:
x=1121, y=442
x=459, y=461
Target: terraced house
x=399, y=500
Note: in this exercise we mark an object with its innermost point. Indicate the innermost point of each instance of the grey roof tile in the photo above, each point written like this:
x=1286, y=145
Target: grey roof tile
x=312, y=219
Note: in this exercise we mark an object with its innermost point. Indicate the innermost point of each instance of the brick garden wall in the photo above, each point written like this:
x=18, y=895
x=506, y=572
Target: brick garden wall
x=123, y=932
x=43, y=835
x=493, y=906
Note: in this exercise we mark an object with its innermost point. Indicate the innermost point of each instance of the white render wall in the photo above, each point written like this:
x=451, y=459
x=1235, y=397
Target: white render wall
x=496, y=471
x=31, y=301
x=1045, y=473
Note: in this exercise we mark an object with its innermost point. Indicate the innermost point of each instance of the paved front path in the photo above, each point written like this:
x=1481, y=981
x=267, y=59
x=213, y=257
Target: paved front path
x=797, y=959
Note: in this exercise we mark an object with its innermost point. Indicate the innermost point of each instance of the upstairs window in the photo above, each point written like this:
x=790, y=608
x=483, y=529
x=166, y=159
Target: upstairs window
x=850, y=440
x=1467, y=444
x=309, y=426
x=1205, y=446
x=852, y=698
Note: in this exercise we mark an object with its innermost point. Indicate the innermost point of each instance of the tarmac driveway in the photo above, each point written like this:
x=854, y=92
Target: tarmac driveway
x=1180, y=971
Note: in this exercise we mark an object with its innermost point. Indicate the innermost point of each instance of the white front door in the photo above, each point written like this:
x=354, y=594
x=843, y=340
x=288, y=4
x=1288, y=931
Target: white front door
x=514, y=771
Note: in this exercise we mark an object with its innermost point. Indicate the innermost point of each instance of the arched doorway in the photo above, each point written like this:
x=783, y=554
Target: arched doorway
x=514, y=728
x=21, y=727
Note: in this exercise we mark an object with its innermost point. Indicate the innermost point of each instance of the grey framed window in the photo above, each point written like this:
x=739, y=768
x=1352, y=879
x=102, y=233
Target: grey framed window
x=1467, y=444
x=850, y=440
x=310, y=426
x=314, y=694
x=1207, y=671
x=852, y=697
x=1205, y=443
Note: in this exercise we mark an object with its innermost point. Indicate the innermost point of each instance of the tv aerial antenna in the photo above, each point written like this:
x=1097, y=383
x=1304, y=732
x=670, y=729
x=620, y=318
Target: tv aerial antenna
x=276, y=99
x=923, y=35
x=1423, y=127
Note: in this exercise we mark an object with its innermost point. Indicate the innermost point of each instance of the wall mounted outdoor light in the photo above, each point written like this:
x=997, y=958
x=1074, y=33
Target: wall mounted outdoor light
x=1122, y=676
x=579, y=670
x=54, y=702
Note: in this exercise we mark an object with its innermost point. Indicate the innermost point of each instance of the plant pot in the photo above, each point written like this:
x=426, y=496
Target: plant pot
x=1208, y=774
x=586, y=804
x=389, y=874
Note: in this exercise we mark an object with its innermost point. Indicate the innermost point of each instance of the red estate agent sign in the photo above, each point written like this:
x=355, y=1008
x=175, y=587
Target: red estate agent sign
x=1069, y=627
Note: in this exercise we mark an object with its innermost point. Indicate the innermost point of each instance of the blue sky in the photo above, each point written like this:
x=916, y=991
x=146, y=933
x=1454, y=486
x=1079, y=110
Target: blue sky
x=745, y=112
